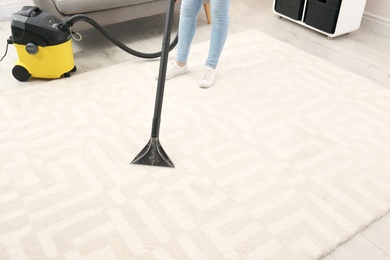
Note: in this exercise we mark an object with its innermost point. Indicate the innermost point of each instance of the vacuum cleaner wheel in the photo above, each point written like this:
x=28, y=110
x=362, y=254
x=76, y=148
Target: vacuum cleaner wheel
x=67, y=74
x=21, y=73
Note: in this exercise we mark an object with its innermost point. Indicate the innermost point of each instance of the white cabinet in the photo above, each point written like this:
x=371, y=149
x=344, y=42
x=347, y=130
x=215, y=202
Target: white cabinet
x=330, y=17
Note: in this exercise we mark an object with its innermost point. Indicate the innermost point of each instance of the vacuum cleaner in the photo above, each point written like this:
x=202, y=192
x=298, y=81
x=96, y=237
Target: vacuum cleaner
x=44, y=51
x=43, y=43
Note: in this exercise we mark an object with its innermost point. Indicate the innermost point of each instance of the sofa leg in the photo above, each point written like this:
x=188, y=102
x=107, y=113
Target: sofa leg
x=206, y=7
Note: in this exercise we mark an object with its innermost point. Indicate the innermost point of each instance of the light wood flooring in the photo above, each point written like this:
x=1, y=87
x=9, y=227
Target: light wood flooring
x=360, y=52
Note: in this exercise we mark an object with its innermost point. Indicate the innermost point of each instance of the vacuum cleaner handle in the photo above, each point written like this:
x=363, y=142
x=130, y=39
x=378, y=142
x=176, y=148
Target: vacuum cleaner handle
x=30, y=11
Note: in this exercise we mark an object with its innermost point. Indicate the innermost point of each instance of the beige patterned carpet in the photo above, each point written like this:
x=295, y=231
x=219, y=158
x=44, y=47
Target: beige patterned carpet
x=284, y=158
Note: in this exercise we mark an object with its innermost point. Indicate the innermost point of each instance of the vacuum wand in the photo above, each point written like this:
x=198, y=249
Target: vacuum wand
x=153, y=154
x=162, y=72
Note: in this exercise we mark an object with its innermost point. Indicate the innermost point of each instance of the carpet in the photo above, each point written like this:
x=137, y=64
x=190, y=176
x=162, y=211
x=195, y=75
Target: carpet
x=285, y=157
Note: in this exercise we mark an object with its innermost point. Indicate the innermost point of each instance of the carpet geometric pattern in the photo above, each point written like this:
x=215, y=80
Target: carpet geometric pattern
x=285, y=157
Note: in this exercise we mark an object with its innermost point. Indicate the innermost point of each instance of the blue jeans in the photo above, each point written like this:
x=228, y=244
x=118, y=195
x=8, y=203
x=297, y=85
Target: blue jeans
x=189, y=11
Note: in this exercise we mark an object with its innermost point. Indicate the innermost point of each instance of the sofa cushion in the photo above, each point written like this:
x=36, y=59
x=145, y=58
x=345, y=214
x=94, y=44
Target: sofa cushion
x=69, y=7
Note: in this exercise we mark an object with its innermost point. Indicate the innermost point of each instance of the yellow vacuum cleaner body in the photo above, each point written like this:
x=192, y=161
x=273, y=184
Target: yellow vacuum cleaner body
x=44, y=51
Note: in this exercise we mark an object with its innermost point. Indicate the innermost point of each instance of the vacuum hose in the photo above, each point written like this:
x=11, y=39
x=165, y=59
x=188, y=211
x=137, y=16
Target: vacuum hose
x=80, y=17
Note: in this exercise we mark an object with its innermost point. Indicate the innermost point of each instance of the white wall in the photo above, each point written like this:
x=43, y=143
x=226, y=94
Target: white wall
x=377, y=17
x=379, y=7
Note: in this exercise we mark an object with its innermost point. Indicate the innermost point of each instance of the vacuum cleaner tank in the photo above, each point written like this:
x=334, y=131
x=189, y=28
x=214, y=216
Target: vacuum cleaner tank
x=31, y=24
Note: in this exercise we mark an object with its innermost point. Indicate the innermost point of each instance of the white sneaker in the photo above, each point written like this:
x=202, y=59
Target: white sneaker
x=174, y=70
x=208, y=78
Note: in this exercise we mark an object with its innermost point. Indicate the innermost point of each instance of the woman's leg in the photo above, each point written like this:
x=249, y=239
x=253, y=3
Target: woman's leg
x=189, y=11
x=219, y=30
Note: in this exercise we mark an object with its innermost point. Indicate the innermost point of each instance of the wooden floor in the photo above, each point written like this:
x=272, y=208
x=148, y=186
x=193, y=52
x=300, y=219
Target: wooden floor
x=360, y=52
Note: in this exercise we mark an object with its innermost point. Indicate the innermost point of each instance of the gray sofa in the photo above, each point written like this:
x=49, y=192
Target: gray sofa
x=106, y=12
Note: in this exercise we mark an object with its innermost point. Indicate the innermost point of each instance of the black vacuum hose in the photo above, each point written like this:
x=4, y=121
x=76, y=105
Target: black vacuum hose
x=80, y=17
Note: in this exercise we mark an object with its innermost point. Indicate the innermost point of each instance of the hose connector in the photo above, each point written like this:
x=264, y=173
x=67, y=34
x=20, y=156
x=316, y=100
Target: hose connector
x=64, y=26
